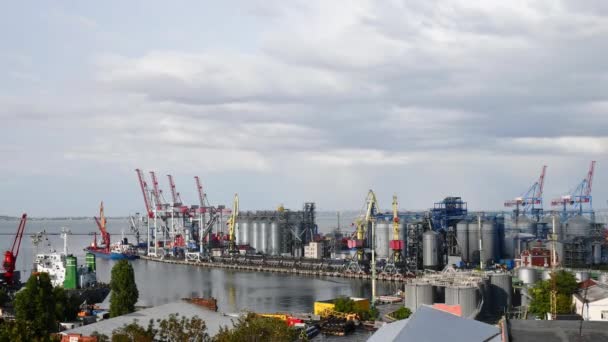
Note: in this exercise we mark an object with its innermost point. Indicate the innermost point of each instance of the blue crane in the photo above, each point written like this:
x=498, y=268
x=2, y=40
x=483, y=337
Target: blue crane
x=531, y=201
x=579, y=200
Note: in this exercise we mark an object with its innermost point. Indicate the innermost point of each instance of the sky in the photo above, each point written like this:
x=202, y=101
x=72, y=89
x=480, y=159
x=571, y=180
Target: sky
x=285, y=102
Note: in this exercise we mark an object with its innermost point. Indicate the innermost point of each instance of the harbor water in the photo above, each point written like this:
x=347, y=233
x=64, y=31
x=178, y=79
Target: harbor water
x=160, y=283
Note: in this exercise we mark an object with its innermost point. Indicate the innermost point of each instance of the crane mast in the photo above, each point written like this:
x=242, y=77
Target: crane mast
x=396, y=244
x=10, y=257
x=361, y=229
x=232, y=225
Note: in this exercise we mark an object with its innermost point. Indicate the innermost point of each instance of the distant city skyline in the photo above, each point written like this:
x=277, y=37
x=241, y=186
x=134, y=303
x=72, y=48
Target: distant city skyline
x=300, y=101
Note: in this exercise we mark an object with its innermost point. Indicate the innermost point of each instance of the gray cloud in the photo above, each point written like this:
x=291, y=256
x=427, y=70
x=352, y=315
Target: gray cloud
x=398, y=95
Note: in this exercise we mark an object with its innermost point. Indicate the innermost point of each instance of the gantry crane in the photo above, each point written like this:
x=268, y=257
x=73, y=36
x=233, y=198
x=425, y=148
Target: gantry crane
x=232, y=226
x=362, y=224
x=10, y=257
x=577, y=198
x=531, y=201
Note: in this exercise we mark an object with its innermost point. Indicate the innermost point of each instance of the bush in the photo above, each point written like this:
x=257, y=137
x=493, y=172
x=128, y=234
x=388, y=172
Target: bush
x=402, y=313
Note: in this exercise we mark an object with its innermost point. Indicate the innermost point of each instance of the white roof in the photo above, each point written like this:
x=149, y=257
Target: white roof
x=431, y=325
x=213, y=320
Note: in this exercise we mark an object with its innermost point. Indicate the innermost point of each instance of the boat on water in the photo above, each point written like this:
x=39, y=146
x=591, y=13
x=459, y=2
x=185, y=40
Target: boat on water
x=115, y=251
x=63, y=271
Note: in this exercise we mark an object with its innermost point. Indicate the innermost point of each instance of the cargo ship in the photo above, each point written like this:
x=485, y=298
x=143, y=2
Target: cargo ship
x=116, y=251
x=63, y=271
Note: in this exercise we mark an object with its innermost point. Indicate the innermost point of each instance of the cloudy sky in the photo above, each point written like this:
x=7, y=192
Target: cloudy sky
x=294, y=101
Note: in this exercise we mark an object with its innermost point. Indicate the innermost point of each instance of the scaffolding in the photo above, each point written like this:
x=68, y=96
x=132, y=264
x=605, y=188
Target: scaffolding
x=575, y=253
x=413, y=254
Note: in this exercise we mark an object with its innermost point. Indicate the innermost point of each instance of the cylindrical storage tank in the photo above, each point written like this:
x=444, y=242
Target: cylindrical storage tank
x=581, y=276
x=489, y=238
x=474, y=242
x=525, y=225
x=417, y=295
x=546, y=274
x=527, y=275
x=430, y=252
x=578, y=226
x=508, y=246
x=263, y=237
x=502, y=289
x=438, y=294
x=244, y=231
x=71, y=273
x=603, y=278
x=525, y=297
x=275, y=238
x=255, y=232
x=596, y=249
x=383, y=229
x=462, y=239
x=238, y=236
x=90, y=261
x=467, y=297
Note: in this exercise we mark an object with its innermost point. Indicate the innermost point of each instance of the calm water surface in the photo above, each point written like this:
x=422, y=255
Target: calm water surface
x=160, y=283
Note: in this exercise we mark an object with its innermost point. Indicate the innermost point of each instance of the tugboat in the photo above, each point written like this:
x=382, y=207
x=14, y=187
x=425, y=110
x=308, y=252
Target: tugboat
x=116, y=251
x=63, y=271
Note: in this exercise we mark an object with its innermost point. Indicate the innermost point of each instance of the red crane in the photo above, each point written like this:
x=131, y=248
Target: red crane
x=156, y=192
x=10, y=257
x=174, y=194
x=177, y=199
x=201, y=195
x=101, y=223
x=145, y=192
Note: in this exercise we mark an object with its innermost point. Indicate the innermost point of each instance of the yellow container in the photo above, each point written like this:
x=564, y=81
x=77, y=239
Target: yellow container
x=321, y=306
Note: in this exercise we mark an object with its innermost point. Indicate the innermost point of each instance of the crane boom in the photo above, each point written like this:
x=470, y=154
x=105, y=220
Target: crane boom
x=201, y=194
x=10, y=257
x=590, y=178
x=174, y=193
x=145, y=192
x=541, y=182
x=156, y=191
x=101, y=223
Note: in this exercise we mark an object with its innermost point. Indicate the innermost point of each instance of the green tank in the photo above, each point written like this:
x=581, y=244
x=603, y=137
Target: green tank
x=91, y=261
x=71, y=273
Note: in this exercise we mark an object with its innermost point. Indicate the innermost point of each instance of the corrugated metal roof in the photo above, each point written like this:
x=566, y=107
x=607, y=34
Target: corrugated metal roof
x=432, y=325
x=559, y=331
x=213, y=320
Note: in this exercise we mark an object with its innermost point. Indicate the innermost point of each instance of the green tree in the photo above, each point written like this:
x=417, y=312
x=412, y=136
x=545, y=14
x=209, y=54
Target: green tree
x=4, y=297
x=35, y=304
x=100, y=337
x=133, y=332
x=401, y=313
x=182, y=329
x=566, y=285
x=66, y=306
x=124, y=290
x=257, y=329
x=17, y=331
x=347, y=305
